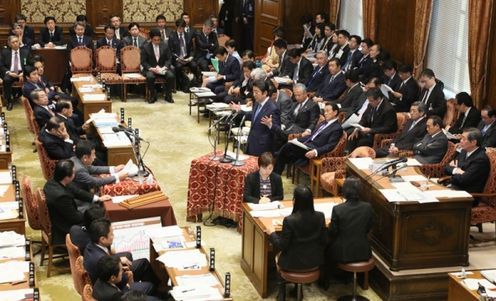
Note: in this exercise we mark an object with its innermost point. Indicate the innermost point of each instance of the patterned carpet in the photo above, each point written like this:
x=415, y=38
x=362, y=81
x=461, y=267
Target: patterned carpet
x=176, y=138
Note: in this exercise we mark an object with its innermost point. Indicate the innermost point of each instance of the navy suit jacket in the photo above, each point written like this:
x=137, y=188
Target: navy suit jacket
x=317, y=77
x=261, y=138
x=117, y=44
x=410, y=92
x=57, y=39
x=56, y=148
x=436, y=103
x=332, y=90
x=304, y=71
x=326, y=140
x=230, y=69
x=41, y=115
x=73, y=42
x=204, y=46
x=148, y=59
x=489, y=137
x=175, y=47
x=476, y=171
x=92, y=253
x=472, y=121
x=29, y=33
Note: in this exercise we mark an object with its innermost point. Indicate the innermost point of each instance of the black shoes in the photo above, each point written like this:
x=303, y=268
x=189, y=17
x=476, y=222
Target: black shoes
x=10, y=106
x=168, y=97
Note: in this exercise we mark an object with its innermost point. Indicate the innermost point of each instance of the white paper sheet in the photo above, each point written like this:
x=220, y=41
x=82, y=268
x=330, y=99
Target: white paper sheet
x=16, y=271
x=94, y=97
x=267, y=206
x=413, y=162
x=299, y=144
x=195, y=293
x=17, y=295
x=392, y=195
x=121, y=198
x=204, y=279
x=448, y=193
x=5, y=178
x=361, y=163
x=184, y=259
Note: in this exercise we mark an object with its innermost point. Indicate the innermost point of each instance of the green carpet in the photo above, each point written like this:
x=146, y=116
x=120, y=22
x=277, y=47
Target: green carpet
x=176, y=138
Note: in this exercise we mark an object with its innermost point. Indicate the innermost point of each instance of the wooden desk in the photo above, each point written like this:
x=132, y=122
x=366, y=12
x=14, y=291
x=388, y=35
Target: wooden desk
x=56, y=63
x=410, y=235
x=13, y=224
x=159, y=267
x=88, y=107
x=457, y=291
x=256, y=248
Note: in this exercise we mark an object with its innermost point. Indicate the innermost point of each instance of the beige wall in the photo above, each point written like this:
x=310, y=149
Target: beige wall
x=62, y=10
x=147, y=10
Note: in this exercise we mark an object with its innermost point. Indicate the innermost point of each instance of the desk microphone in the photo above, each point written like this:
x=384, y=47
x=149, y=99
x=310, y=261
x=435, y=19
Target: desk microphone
x=393, y=162
x=121, y=128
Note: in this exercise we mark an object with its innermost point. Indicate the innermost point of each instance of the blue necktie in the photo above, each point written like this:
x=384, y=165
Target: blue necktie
x=259, y=108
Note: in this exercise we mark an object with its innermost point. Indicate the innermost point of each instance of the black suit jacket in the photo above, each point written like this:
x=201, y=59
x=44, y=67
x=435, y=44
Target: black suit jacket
x=175, y=45
x=355, y=58
x=73, y=42
x=6, y=59
x=261, y=138
x=92, y=253
x=88, y=31
x=251, y=192
x=472, y=121
x=326, y=140
x=117, y=44
x=302, y=241
x=331, y=90
x=80, y=237
x=204, y=45
x=63, y=209
x=431, y=149
x=123, y=32
x=41, y=115
x=384, y=119
x=489, y=137
x=28, y=32
x=57, y=39
x=230, y=69
x=103, y=291
x=285, y=105
x=128, y=40
x=56, y=148
x=350, y=96
x=393, y=82
x=476, y=170
x=407, y=138
x=307, y=117
x=148, y=59
x=342, y=54
x=435, y=103
x=410, y=92
x=286, y=68
x=350, y=224
x=316, y=78
x=304, y=71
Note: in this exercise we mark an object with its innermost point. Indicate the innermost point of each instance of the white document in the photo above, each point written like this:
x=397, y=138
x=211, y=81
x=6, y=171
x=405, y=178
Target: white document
x=205, y=94
x=489, y=275
x=246, y=108
x=282, y=80
x=473, y=283
x=5, y=177
x=265, y=213
x=116, y=139
x=11, y=239
x=325, y=208
x=299, y=144
x=184, y=259
x=169, y=231
x=131, y=168
x=408, y=191
x=106, y=130
x=448, y=193
x=16, y=271
x=267, y=206
x=241, y=157
x=204, y=279
x=357, y=125
x=60, y=47
x=86, y=90
x=12, y=252
x=417, y=178
x=132, y=75
x=413, y=162
x=209, y=73
x=354, y=118
x=94, y=97
x=121, y=198
x=385, y=89
x=199, y=89
x=195, y=293
x=81, y=79
x=244, y=131
x=17, y=295
x=392, y=195
x=449, y=135
x=361, y=163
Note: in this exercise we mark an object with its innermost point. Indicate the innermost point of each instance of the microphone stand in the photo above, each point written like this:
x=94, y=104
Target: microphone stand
x=393, y=177
x=216, y=126
x=225, y=158
x=238, y=162
x=136, y=143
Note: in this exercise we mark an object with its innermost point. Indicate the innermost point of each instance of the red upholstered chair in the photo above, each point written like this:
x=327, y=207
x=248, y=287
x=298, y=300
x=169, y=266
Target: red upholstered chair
x=334, y=168
x=88, y=293
x=451, y=113
x=107, y=66
x=81, y=59
x=130, y=64
x=46, y=233
x=47, y=164
x=74, y=253
x=29, y=115
x=401, y=118
x=80, y=276
x=32, y=209
x=436, y=170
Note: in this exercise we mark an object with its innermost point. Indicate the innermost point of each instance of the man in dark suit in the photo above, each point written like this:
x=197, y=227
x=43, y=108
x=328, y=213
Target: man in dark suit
x=189, y=29
x=79, y=38
x=229, y=71
x=120, y=32
x=79, y=234
x=110, y=40
x=379, y=118
x=305, y=113
x=27, y=30
x=13, y=61
x=156, y=59
x=60, y=195
x=434, y=145
x=354, y=55
x=181, y=45
x=241, y=89
x=412, y=133
x=285, y=66
x=319, y=73
x=334, y=84
x=51, y=35
x=206, y=43
x=407, y=92
x=302, y=66
x=134, y=38
x=165, y=32
x=56, y=140
x=343, y=48
x=469, y=116
x=487, y=127
x=323, y=140
x=88, y=30
x=432, y=95
x=87, y=176
x=261, y=137
x=365, y=61
x=349, y=97
x=42, y=112
x=284, y=104
x=470, y=170
x=102, y=237
x=392, y=78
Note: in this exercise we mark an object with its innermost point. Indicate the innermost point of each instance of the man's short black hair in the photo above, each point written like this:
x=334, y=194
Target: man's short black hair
x=154, y=33
x=132, y=24
x=335, y=60
x=231, y=43
x=368, y=42
x=352, y=75
x=490, y=110
x=345, y=33
x=20, y=17
x=295, y=52
x=93, y=213
x=375, y=93
x=389, y=64
x=331, y=26
x=248, y=53
x=108, y=26
x=48, y=18
x=63, y=168
x=464, y=98
x=81, y=18
x=54, y=123
x=357, y=38
x=134, y=295
x=84, y=147
x=107, y=267
x=436, y=120
x=99, y=228
x=249, y=64
x=220, y=51
x=280, y=43
x=428, y=73
x=405, y=68
x=180, y=23
x=62, y=104
x=160, y=17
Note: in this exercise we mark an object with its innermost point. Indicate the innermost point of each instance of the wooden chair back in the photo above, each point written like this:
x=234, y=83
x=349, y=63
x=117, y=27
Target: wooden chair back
x=81, y=60
x=105, y=59
x=32, y=209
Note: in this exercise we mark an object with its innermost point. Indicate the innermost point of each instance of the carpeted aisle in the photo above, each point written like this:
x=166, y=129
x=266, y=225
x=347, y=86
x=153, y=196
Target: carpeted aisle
x=175, y=139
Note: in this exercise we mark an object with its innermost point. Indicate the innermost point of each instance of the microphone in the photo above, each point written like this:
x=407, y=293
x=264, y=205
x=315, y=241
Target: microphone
x=393, y=177
x=391, y=163
x=121, y=128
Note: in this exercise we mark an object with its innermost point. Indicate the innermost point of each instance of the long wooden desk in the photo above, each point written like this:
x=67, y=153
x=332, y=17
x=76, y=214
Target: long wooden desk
x=16, y=224
x=410, y=235
x=93, y=106
x=256, y=250
x=457, y=291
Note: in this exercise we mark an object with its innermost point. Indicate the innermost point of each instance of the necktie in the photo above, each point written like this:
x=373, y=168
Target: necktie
x=181, y=46
x=51, y=35
x=296, y=73
x=426, y=96
x=135, y=42
x=163, y=34
x=257, y=112
x=412, y=126
x=297, y=109
x=16, y=62
x=317, y=132
x=463, y=121
x=157, y=52
x=80, y=40
x=401, y=86
x=347, y=65
x=110, y=43
x=374, y=110
x=332, y=78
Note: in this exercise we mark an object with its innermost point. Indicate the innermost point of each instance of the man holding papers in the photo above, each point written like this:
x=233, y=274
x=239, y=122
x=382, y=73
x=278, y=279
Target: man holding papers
x=87, y=176
x=323, y=139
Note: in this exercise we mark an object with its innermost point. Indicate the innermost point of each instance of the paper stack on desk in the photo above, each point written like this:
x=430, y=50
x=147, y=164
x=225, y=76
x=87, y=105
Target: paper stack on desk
x=116, y=139
x=195, y=292
x=16, y=271
x=166, y=238
x=11, y=239
x=5, y=178
x=104, y=119
x=184, y=259
x=95, y=97
x=204, y=279
x=17, y=295
x=9, y=210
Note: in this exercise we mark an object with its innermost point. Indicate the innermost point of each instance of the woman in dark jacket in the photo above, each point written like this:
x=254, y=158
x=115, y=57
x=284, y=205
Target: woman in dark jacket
x=303, y=237
x=263, y=185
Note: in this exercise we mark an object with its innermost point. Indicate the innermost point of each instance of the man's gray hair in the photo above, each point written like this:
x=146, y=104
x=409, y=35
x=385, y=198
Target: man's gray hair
x=258, y=74
x=301, y=87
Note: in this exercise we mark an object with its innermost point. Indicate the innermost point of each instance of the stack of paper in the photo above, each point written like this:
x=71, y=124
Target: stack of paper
x=325, y=208
x=166, y=238
x=81, y=79
x=448, y=193
x=195, y=292
x=104, y=119
x=272, y=213
x=205, y=94
x=267, y=206
x=131, y=168
x=12, y=252
x=246, y=108
x=94, y=97
x=9, y=210
x=184, y=259
x=282, y=80
x=5, y=177
x=132, y=75
x=16, y=271
x=116, y=139
x=217, y=106
x=17, y=295
x=204, y=279
x=361, y=163
x=199, y=89
x=11, y=239
x=122, y=198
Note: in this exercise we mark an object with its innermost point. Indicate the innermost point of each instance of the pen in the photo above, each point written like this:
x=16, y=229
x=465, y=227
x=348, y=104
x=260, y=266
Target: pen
x=185, y=291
